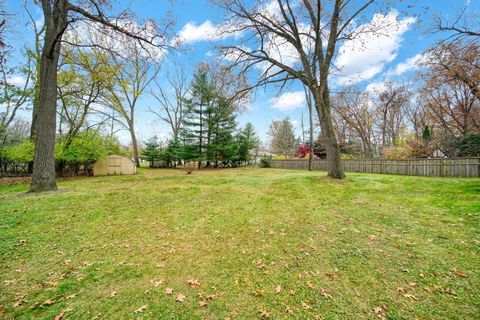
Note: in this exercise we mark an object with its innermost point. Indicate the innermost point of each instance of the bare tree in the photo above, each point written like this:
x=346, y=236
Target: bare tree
x=391, y=107
x=306, y=32
x=464, y=26
x=171, y=107
x=355, y=108
x=59, y=15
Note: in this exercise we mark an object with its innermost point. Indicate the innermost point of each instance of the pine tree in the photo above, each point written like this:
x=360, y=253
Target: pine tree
x=194, y=132
x=247, y=140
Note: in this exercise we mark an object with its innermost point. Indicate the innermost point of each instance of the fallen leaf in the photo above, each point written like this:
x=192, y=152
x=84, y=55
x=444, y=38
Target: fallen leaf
x=23, y=241
x=62, y=313
x=278, y=289
x=264, y=314
x=48, y=302
x=292, y=292
x=259, y=264
x=158, y=282
x=399, y=289
x=202, y=303
x=71, y=296
x=288, y=310
x=460, y=274
x=258, y=293
x=211, y=297
x=306, y=306
x=325, y=294
x=67, y=262
x=113, y=294
x=141, y=309
x=309, y=284
x=180, y=298
x=168, y=290
x=405, y=270
x=34, y=305
x=193, y=283
x=2, y=311
x=410, y=296
x=378, y=310
x=421, y=275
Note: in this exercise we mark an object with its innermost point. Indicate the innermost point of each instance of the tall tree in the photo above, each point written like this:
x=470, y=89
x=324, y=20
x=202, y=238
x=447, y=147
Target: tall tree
x=310, y=32
x=58, y=16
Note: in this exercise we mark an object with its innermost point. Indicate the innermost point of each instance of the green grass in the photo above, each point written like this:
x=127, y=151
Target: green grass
x=407, y=246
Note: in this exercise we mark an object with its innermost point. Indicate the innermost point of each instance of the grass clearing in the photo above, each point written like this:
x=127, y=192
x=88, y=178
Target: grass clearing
x=290, y=244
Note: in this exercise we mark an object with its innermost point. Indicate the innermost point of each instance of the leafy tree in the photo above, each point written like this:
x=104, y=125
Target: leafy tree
x=282, y=137
x=85, y=148
x=22, y=152
x=152, y=149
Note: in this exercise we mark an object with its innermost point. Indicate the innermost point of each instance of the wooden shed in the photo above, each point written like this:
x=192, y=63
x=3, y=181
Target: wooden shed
x=114, y=165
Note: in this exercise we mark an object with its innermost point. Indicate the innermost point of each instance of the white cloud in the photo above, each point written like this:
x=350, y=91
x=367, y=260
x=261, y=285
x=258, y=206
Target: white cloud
x=17, y=80
x=365, y=56
x=207, y=31
x=410, y=64
x=289, y=101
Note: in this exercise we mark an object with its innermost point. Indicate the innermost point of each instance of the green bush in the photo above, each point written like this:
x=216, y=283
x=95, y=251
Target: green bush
x=469, y=146
x=85, y=148
x=265, y=163
x=22, y=152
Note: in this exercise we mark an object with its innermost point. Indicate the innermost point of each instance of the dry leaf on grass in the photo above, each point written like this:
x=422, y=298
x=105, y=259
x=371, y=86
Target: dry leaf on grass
x=202, y=303
x=288, y=310
x=264, y=314
x=141, y=309
x=278, y=289
x=309, y=285
x=62, y=313
x=158, y=282
x=71, y=296
x=410, y=296
x=193, y=283
x=180, y=298
x=112, y=294
x=325, y=294
x=168, y=290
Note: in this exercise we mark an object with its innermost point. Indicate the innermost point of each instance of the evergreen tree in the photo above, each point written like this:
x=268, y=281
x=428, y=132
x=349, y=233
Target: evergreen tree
x=247, y=141
x=426, y=135
x=151, y=149
x=194, y=133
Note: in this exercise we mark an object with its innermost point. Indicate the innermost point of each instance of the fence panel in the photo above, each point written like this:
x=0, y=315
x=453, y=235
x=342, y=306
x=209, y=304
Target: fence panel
x=454, y=167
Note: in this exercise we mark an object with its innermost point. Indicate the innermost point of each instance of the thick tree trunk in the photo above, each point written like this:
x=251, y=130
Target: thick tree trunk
x=134, y=146
x=335, y=166
x=43, y=177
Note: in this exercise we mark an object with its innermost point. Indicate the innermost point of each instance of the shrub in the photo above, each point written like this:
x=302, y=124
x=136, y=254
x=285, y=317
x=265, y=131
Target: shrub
x=469, y=146
x=85, y=149
x=265, y=163
x=189, y=167
x=22, y=152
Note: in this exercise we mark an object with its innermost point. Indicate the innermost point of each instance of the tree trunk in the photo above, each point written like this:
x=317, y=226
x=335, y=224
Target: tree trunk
x=43, y=177
x=335, y=166
x=134, y=145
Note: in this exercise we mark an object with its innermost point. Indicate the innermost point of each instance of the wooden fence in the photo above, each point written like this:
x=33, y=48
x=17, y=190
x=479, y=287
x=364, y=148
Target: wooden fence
x=457, y=167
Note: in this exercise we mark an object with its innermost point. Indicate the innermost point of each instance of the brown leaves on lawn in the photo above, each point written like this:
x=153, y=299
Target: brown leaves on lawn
x=169, y=290
x=113, y=294
x=141, y=309
x=62, y=313
x=180, y=298
x=333, y=274
x=309, y=285
x=410, y=296
x=278, y=289
x=71, y=296
x=193, y=283
x=264, y=314
x=202, y=303
x=325, y=294
x=288, y=310
x=259, y=264
x=158, y=282
x=459, y=274
x=48, y=302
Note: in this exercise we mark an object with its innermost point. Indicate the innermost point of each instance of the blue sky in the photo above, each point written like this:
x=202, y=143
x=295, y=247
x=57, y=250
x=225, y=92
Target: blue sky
x=394, y=57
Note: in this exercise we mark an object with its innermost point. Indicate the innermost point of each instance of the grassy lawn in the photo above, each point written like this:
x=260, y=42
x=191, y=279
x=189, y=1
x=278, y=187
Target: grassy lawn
x=242, y=244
